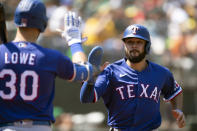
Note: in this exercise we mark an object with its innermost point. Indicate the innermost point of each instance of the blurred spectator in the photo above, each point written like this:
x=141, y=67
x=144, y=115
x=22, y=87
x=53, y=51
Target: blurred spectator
x=56, y=21
x=57, y=10
x=100, y=26
x=64, y=122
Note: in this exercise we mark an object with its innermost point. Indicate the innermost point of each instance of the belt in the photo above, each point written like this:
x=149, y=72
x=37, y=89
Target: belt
x=26, y=122
x=114, y=129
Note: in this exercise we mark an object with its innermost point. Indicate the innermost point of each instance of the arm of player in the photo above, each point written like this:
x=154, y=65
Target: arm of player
x=87, y=93
x=83, y=70
x=92, y=66
x=176, y=110
x=73, y=34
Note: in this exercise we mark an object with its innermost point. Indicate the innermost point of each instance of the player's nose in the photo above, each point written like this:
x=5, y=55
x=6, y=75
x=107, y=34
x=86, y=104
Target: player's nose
x=134, y=45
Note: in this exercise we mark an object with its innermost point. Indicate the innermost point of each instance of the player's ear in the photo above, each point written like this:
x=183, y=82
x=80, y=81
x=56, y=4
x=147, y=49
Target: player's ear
x=146, y=47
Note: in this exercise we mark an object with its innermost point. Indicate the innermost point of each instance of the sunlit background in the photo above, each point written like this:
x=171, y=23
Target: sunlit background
x=173, y=28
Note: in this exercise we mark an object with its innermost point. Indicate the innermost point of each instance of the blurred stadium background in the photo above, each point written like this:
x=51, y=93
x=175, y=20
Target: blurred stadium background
x=173, y=28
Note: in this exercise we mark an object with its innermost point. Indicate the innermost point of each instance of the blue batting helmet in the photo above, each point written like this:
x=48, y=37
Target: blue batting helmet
x=31, y=13
x=138, y=31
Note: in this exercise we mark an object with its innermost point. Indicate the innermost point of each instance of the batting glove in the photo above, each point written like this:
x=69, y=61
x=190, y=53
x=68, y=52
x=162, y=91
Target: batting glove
x=72, y=28
x=95, y=58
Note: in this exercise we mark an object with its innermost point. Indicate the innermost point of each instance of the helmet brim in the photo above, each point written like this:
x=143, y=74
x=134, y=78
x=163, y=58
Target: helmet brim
x=134, y=36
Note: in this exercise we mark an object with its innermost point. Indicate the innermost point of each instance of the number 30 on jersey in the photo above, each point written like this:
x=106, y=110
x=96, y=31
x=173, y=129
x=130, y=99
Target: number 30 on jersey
x=23, y=85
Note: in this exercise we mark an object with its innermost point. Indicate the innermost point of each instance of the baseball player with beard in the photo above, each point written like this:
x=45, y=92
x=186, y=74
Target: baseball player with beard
x=131, y=87
x=28, y=70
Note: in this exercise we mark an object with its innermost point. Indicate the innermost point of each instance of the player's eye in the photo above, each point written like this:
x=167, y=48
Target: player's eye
x=140, y=42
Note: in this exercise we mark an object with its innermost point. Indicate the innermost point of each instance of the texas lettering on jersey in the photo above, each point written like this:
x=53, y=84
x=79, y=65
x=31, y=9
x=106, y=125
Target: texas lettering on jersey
x=129, y=89
x=133, y=97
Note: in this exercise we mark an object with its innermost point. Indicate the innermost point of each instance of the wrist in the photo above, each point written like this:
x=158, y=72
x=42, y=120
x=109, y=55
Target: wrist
x=77, y=47
x=72, y=41
x=177, y=110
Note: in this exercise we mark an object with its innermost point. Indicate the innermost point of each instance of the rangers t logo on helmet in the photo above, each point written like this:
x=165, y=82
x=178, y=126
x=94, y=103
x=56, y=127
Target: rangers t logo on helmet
x=138, y=31
x=134, y=29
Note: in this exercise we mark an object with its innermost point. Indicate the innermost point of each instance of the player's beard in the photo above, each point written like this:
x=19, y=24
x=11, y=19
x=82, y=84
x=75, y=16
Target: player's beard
x=135, y=59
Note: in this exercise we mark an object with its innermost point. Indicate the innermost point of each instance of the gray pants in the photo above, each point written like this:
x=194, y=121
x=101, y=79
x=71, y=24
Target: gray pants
x=26, y=126
x=114, y=129
x=33, y=128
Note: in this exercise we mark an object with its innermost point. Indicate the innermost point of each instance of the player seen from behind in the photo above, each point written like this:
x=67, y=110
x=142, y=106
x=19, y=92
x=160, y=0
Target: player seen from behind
x=28, y=70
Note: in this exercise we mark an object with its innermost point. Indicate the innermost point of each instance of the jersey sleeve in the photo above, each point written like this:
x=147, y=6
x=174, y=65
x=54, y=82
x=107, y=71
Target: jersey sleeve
x=102, y=84
x=171, y=88
x=65, y=69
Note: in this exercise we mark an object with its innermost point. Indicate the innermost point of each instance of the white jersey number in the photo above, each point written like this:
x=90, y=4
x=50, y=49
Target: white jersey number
x=11, y=84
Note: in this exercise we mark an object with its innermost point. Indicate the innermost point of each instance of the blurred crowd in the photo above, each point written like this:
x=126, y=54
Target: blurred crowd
x=172, y=25
x=92, y=121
